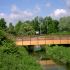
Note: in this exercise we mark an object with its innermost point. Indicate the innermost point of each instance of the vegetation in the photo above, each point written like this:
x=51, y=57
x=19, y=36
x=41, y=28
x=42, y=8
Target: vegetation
x=41, y=25
x=13, y=57
x=59, y=54
x=17, y=58
x=65, y=24
x=11, y=29
x=3, y=24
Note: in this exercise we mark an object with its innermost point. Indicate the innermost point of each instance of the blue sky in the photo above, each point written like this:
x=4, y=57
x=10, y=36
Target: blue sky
x=5, y=5
x=14, y=10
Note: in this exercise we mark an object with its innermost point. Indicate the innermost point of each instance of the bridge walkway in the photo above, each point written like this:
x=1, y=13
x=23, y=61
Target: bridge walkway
x=42, y=40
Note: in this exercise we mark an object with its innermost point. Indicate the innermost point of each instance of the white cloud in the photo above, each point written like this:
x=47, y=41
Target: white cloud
x=16, y=14
x=1, y=14
x=20, y=13
x=37, y=9
x=27, y=13
x=59, y=13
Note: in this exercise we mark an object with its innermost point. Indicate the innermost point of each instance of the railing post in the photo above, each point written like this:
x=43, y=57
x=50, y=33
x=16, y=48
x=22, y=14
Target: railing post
x=30, y=39
x=53, y=39
x=60, y=39
x=37, y=40
x=67, y=40
x=45, y=39
x=22, y=41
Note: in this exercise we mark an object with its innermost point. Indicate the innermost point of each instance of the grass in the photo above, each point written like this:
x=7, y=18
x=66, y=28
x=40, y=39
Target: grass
x=59, y=53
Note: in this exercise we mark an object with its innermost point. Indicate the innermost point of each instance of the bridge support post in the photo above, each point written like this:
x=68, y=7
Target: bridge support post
x=60, y=39
x=67, y=40
x=45, y=39
x=30, y=40
x=22, y=41
x=37, y=40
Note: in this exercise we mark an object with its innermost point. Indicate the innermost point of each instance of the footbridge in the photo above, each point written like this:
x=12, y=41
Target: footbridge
x=43, y=40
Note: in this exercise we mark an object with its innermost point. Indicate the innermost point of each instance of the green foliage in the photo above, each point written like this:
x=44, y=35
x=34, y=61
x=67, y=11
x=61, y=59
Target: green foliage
x=11, y=29
x=64, y=24
x=52, y=25
x=61, y=33
x=45, y=25
x=55, y=26
x=3, y=24
x=35, y=23
x=2, y=36
x=17, y=58
x=13, y=57
x=59, y=53
x=17, y=27
x=26, y=29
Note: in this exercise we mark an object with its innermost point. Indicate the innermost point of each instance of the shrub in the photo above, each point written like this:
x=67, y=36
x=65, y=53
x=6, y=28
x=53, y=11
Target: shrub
x=16, y=58
x=2, y=36
x=59, y=53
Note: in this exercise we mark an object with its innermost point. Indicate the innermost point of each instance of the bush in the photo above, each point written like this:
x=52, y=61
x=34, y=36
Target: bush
x=16, y=58
x=2, y=36
x=13, y=57
x=59, y=53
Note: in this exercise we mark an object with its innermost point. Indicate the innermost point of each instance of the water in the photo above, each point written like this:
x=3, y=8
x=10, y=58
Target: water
x=50, y=65
x=54, y=67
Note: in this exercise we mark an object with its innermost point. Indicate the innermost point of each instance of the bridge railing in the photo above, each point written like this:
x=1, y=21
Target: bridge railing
x=41, y=37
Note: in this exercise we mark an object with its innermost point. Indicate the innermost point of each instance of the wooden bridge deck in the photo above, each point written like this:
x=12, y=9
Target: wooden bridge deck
x=42, y=40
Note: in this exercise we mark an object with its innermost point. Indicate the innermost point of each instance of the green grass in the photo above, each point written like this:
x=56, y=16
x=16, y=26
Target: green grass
x=13, y=57
x=17, y=58
x=59, y=53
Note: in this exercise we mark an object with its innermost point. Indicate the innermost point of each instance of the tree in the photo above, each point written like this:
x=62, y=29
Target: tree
x=36, y=24
x=2, y=36
x=48, y=22
x=50, y=25
x=44, y=26
x=40, y=20
x=11, y=29
x=17, y=27
x=55, y=26
x=3, y=24
x=26, y=29
x=64, y=24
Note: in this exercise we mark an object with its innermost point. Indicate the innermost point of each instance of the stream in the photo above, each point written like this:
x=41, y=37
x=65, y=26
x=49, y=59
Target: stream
x=51, y=65
x=48, y=64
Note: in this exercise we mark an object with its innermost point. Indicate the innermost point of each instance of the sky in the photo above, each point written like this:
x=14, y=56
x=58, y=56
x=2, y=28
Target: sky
x=15, y=10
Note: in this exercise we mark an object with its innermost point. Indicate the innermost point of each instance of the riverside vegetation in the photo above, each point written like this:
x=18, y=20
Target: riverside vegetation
x=17, y=58
x=13, y=57
x=59, y=54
